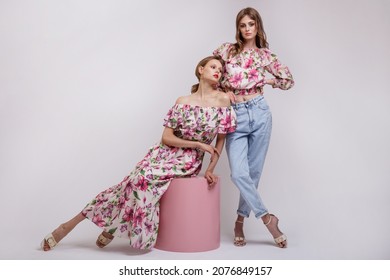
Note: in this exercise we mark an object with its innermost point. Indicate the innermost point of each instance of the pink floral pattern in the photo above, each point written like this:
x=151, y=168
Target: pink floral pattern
x=245, y=72
x=130, y=209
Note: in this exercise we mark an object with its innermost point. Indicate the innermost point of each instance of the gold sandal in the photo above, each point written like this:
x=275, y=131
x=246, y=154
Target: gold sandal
x=280, y=239
x=49, y=239
x=102, y=241
x=239, y=241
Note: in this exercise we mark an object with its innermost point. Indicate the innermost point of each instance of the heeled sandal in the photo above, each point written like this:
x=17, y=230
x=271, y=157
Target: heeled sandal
x=102, y=241
x=49, y=239
x=239, y=241
x=280, y=239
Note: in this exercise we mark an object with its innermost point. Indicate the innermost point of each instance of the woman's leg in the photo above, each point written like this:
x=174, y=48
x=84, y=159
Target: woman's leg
x=59, y=233
x=237, y=148
x=257, y=150
x=271, y=222
x=247, y=151
x=258, y=143
x=237, y=151
x=239, y=237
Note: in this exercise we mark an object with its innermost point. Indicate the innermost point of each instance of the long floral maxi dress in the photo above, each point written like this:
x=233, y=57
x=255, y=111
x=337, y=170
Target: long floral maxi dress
x=130, y=209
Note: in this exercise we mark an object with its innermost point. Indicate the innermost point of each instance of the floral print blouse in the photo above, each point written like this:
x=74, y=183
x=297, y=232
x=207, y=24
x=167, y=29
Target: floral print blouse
x=245, y=72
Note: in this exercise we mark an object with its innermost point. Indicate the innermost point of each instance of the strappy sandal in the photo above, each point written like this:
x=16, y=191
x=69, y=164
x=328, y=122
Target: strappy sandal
x=239, y=241
x=280, y=239
x=49, y=239
x=102, y=241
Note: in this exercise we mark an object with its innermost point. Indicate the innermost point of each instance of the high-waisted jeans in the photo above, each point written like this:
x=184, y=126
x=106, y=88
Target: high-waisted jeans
x=246, y=149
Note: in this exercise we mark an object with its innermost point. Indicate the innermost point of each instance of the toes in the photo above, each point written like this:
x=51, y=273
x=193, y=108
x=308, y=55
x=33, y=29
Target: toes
x=104, y=239
x=239, y=241
x=239, y=244
x=283, y=244
x=45, y=246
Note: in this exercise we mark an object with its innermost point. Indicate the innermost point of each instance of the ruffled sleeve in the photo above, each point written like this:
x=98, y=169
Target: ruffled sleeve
x=228, y=121
x=174, y=117
x=283, y=78
x=223, y=51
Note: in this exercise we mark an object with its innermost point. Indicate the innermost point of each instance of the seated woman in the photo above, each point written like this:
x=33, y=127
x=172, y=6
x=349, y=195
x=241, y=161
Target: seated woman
x=130, y=209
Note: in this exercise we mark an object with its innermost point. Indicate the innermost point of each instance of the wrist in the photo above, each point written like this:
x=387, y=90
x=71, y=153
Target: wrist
x=270, y=82
x=196, y=145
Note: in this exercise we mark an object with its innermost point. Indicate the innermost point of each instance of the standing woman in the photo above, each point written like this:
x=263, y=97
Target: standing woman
x=246, y=63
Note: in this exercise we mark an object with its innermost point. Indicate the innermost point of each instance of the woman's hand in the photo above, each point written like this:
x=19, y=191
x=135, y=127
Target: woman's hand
x=209, y=149
x=270, y=82
x=211, y=178
x=232, y=97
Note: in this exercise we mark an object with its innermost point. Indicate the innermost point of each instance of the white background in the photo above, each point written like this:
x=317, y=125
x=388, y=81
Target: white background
x=85, y=85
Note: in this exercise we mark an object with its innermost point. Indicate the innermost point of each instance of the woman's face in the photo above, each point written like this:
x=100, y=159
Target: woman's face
x=212, y=71
x=247, y=27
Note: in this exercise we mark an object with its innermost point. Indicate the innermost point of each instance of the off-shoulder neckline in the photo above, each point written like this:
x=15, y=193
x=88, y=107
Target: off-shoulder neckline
x=202, y=107
x=250, y=49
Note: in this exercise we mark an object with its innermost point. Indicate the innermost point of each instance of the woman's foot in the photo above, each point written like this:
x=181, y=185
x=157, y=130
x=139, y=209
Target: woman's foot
x=239, y=238
x=104, y=239
x=271, y=222
x=51, y=240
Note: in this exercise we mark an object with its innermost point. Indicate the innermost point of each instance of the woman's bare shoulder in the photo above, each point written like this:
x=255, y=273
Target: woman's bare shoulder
x=183, y=99
x=223, y=99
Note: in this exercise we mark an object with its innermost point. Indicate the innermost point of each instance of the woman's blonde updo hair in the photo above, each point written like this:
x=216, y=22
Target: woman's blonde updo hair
x=202, y=63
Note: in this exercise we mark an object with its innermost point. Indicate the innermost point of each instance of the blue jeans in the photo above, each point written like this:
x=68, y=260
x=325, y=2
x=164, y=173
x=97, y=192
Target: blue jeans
x=246, y=149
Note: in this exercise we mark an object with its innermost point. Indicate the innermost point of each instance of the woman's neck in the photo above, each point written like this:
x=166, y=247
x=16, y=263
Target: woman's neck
x=251, y=44
x=204, y=93
x=205, y=89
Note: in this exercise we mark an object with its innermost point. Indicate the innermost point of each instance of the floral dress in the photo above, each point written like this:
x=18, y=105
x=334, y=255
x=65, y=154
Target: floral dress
x=245, y=72
x=130, y=209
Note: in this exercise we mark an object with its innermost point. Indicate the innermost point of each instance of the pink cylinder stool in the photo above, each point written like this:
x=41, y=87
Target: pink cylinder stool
x=189, y=216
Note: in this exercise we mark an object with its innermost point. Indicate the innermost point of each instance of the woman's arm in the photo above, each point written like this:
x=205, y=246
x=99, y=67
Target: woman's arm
x=283, y=78
x=209, y=175
x=170, y=139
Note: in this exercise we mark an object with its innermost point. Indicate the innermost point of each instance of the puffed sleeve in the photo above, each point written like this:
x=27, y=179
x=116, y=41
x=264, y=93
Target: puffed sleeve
x=283, y=78
x=228, y=121
x=223, y=51
x=174, y=117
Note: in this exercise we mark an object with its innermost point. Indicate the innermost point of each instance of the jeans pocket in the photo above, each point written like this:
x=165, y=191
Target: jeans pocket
x=262, y=104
